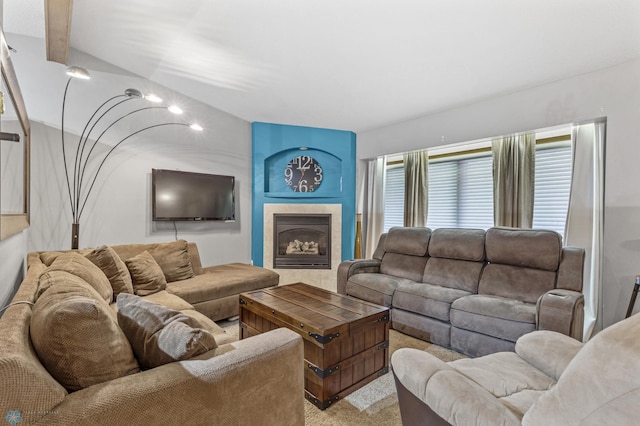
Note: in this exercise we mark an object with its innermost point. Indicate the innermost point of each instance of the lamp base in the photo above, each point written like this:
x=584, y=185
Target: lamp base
x=75, y=235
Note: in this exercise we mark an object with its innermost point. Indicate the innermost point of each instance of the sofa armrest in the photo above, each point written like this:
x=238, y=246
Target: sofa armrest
x=260, y=377
x=571, y=269
x=352, y=267
x=414, y=368
x=548, y=351
x=449, y=394
x=562, y=311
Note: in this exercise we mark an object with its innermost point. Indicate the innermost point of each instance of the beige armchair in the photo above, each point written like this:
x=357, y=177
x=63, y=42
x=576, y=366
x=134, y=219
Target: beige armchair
x=551, y=379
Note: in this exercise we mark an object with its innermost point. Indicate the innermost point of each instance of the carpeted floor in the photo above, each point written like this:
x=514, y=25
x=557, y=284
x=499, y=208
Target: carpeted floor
x=375, y=403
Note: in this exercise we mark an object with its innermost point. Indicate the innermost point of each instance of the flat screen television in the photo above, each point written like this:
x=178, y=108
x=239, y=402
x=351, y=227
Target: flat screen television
x=178, y=196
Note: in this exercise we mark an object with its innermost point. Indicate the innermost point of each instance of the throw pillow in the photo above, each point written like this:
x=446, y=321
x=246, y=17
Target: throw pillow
x=47, y=257
x=160, y=335
x=80, y=266
x=146, y=275
x=76, y=335
x=113, y=267
x=174, y=260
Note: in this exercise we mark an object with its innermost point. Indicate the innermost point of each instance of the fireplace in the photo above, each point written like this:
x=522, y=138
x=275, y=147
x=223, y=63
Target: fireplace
x=302, y=241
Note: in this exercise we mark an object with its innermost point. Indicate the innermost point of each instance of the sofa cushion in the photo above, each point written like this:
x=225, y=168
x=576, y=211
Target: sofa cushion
x=548, y=351
x=223, y=281
x=76, y=335
x=403, y=266
x=146, y=275
x=413, y=241
x=498, y=317
x=168, y=300
x=461, y=244
x=174, y=260
x=80, y=266
x=160, y=335
x=503, y=374
x=47, y=257
x=113, y=267
x=426, y=299
x=527, y=248
x=374, y=288
x=459, y=274
x=513, y=282
x=173, y=257
x=600, y=385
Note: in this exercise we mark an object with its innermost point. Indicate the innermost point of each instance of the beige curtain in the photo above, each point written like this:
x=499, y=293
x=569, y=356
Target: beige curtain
x=513, y=180
x=585, y=218
x=416, y=186
x=374, y=214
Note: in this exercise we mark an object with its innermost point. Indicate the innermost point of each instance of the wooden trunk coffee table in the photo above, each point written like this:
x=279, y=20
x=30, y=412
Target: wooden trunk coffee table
x=346, y=341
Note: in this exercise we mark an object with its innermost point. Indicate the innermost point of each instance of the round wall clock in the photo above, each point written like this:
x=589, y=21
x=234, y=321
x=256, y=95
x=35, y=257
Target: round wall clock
x=303, y=174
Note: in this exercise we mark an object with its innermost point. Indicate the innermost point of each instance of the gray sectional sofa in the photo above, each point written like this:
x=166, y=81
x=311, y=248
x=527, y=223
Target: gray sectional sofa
x=472, y=290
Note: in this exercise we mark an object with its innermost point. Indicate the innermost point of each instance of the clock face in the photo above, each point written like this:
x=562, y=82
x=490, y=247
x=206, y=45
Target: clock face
x=303, y=174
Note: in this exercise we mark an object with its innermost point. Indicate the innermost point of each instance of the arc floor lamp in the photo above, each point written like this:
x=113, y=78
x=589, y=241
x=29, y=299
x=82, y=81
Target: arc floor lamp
x=82, y=168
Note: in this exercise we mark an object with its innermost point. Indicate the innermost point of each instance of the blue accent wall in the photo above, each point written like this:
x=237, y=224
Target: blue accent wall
x=273, y=146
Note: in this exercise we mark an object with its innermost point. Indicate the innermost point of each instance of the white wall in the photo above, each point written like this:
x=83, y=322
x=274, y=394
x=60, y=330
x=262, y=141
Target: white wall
x=613, y=93
x=119, y=209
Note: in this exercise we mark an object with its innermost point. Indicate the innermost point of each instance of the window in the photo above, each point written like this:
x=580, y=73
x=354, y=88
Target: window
x=553, y=185
x=461, y=189
x=461, y=192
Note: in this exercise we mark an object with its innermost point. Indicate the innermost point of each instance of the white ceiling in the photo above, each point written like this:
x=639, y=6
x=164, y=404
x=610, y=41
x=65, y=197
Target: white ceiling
x=346, y=64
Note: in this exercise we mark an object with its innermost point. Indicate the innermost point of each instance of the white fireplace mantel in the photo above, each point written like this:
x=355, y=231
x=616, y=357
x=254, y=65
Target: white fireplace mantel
x=324, y=278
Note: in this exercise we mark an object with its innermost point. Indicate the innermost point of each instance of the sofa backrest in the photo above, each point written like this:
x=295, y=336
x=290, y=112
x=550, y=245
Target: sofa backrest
x=406, y=252
x=194, y=256
x=456, y=258
x=522, y=263
x=127, y=251
x=599, y=386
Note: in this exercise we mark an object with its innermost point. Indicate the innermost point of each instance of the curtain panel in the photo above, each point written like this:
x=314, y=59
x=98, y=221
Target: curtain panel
x=585, y=218
x=416, y=187
x=374, y=214
x=513, y=180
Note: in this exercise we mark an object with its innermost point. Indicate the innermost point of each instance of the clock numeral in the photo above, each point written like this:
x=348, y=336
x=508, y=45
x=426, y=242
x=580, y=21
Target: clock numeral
x=302, y=186
x=303, y=162
x=306, y=162
x=318, y=174
x=288, y=174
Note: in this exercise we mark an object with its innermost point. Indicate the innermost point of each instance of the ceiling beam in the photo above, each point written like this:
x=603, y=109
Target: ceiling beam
x=57, y=14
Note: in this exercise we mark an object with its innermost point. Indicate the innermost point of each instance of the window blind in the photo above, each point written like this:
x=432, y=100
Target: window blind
x=552, y=187
x=461, y=193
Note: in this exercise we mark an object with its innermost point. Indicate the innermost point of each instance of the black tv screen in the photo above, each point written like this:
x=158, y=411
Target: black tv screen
x=178, y=195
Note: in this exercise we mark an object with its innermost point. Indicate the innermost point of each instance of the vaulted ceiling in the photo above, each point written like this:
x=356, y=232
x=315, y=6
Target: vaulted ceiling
x=354, y=65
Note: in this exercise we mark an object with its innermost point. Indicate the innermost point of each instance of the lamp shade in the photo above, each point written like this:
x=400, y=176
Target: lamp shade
x=133, y=93
x=78, y=72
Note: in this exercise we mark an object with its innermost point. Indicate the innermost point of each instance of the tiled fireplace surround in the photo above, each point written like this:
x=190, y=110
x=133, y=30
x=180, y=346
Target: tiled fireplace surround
x=273, y=146
x=325, y=278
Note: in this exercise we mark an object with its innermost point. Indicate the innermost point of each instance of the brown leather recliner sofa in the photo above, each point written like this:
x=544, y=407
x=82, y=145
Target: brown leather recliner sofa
x=472, y=290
